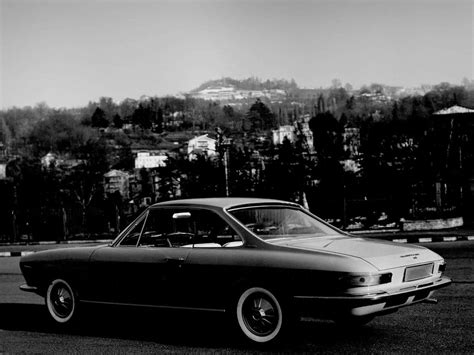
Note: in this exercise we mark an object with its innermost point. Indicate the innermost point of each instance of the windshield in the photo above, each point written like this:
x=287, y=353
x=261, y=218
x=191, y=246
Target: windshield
x=281, y=222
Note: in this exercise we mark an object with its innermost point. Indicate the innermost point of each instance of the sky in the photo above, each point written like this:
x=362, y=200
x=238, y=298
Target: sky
x=67, y=53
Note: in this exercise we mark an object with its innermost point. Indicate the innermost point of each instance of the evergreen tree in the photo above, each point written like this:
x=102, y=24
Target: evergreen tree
x=98, y=119
x=143, y=117
x=260, y=116
x=117, y=120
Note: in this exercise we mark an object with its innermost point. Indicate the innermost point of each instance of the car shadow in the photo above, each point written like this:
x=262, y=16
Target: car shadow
x=173, y=327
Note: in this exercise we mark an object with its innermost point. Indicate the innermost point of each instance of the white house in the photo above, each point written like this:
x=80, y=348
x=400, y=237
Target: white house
x=150, y=160
x=456, y=109
x=202, y=144
x=283, y=132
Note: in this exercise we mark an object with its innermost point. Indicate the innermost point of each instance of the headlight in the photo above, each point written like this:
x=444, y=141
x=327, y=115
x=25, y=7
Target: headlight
x=366, y=280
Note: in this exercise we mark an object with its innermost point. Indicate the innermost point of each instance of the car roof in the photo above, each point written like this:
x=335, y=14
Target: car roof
x=223, y=202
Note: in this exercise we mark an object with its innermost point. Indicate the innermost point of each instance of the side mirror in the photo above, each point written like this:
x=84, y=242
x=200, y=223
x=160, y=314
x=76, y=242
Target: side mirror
x=182, y=215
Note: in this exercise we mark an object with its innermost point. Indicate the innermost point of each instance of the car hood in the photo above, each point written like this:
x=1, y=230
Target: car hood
x=381, y=254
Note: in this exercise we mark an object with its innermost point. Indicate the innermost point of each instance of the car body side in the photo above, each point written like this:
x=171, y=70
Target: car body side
x=210, y=278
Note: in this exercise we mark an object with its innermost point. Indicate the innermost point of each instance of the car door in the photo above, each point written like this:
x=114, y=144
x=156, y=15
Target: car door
x=146, y=266
x=211, y=266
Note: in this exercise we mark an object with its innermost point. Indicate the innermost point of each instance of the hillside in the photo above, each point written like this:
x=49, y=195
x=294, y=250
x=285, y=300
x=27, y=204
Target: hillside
x=228, y=90
x=248, y=84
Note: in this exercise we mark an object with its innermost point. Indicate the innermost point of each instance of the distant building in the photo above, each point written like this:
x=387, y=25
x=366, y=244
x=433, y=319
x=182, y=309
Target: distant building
x=283, y=132
x=202, y=144
x=351, y=141
x=230, y=93
x=150, y=160
x=49, y=160
x=306, y=132
x=299, y=129
x=454, y=110
x=54, y=160
x=3, y=161
x=3, y=171
x=173, y=189
x=116, y=180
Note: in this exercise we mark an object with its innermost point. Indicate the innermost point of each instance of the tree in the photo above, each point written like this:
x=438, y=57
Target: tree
x=60, y=133
x=260, y=116
x=364, y=90
x=126, y=109
x=338, y=96
x=109, y=107
x=228, y=111
x=158, y=120
x=145, y=182
x=5, y=134
x=83, y=182
x=143, y=117
x=98, y=119
x=117, y=121
x=327, y=136
x=20, y=120
x=376, y=88
x=203, y=177
x=328, y=144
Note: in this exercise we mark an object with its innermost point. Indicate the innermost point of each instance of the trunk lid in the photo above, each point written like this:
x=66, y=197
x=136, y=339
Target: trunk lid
x=381, y=254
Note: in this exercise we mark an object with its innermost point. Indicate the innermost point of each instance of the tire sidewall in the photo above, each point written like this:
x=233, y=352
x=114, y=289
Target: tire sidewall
x=50, y=306
x=241, y=322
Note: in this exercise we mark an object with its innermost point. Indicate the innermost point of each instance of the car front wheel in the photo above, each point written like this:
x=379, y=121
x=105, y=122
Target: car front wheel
x=61, y=301
x=259, y=315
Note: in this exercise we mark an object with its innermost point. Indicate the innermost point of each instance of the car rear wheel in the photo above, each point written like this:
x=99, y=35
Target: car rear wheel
x=61, y=301
x=259, y=315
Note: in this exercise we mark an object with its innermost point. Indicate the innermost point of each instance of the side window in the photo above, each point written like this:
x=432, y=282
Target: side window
x=131, y=239
x=174, y=228
x=213, y=231
x=167, y=228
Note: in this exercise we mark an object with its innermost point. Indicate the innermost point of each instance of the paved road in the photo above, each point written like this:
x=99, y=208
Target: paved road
x=444, y=328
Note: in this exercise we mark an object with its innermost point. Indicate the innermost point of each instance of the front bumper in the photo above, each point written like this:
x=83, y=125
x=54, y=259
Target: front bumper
x=28, y=288
x=369, y=304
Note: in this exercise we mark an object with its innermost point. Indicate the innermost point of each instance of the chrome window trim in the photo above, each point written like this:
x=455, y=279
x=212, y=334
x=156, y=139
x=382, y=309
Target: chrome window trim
x=126, y=231
x=143, y=227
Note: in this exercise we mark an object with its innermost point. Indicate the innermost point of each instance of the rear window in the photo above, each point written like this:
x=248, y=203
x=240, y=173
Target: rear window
x=281, y=222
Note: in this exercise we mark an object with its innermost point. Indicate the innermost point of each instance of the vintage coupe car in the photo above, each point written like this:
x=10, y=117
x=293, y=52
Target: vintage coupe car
x=263, y=262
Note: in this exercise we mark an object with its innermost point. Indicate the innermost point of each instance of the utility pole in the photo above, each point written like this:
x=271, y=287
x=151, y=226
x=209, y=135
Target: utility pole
x=226, y=172
x=15, y=205
x=223, y=145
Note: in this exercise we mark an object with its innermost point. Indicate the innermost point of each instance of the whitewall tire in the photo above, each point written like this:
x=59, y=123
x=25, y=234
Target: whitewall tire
x=259, y=315
x=61, y=301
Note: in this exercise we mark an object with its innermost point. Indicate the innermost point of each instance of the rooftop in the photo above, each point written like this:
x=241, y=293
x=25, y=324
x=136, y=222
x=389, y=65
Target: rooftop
x=456, y=109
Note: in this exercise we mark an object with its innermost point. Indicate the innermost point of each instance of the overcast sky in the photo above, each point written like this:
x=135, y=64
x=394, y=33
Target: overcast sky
x=67, y=53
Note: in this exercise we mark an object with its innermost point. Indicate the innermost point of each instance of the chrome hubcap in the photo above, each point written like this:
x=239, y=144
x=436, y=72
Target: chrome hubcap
x=260, y=314
x=62, y=301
